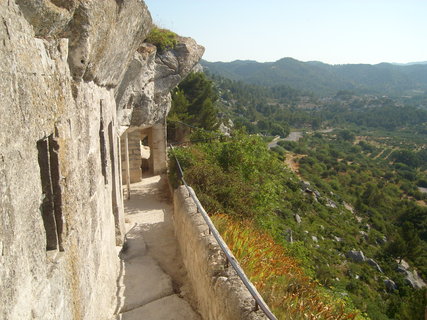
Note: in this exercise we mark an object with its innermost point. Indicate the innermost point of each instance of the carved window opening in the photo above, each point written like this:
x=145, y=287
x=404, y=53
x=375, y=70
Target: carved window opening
x=51, y=207
x=103, y=151
x=119, y=169
x=114, y=191
x=102, y=143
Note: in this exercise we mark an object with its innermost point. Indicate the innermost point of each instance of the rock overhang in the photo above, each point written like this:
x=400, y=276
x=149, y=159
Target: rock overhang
x=143, y=96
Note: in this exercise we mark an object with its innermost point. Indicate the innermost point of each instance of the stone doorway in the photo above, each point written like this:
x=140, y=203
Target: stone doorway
x=143, y=152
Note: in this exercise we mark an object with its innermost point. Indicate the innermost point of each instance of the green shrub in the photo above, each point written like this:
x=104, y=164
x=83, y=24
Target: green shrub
x=163, y=39
x=205, y=136
x=422, y=183
x=185, y=159
x=288, y=145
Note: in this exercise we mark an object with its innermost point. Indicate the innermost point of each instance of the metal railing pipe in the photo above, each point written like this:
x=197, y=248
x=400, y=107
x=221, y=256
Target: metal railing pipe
x=259, y=302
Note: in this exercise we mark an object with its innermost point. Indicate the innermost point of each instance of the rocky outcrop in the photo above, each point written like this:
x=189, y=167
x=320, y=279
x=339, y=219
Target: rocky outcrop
x=63, y=63
x=356, y=256
x=411, y=276
x=337, y=239
x=390, y=285
x=364, y=235
x=331, y=204
x=359, y=257
x=381, y=240
x=103, y=35
x=374, y=264
x=149, y=79
x=288, y=234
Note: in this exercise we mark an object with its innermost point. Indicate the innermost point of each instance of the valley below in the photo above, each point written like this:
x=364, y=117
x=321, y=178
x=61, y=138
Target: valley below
x=341, y=193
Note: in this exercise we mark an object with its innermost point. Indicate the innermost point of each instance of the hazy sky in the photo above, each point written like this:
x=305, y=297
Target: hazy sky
x=331, y=31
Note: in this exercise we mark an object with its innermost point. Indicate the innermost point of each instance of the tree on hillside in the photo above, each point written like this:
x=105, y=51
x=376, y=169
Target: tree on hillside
x=193, y=102
x=180, y=105
x=407, y=157
x=406, y=244
x=373, y=196
x=346, y=135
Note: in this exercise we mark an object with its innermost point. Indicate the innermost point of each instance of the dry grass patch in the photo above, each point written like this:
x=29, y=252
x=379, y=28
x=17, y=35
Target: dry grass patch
x=278, y=277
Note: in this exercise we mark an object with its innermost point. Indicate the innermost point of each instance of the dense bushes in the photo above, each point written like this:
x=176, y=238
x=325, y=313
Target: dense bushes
x=240, y=176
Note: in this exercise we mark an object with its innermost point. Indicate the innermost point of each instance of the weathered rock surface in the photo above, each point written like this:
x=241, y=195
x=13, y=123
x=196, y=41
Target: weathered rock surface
x=153, y=281
x=103, y=37
x=148, y=79
x=305, y=185
x=48, y=18
x=364, y=234
x=411, y=277
x=390, y=285
x=288, y=235
x=373, y=263
x=337, y=239
x=143, y=280
x=330, y=203
x=145, y=273
x=61, y=64
x=356, y=256
x=382, y=240
x=297, y=218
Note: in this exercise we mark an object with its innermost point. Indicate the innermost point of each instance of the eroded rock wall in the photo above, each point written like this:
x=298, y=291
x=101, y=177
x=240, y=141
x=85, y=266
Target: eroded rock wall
x=143, y=97
x=61, y=215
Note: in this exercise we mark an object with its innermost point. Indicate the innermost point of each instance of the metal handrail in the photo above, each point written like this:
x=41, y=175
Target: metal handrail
x=221, y=137
x=259, y=302
x=185, y=124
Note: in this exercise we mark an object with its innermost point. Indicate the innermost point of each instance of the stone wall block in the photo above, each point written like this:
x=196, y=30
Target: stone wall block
x=157, y=143
x=220, y=293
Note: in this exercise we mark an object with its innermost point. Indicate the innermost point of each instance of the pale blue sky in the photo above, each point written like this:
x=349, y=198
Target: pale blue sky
x=331, y=31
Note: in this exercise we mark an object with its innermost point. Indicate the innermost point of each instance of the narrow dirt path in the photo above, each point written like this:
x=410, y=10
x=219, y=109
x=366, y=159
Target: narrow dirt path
x=154, y=282
x=380, y=154
x=291, y=161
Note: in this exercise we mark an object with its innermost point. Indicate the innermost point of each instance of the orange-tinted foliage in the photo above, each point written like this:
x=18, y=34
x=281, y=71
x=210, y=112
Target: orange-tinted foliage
x=282, y=283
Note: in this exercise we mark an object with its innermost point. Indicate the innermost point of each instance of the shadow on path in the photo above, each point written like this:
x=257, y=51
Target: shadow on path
x=153, y=283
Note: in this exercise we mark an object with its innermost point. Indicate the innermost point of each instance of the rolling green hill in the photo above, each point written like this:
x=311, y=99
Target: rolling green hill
x=324, y=79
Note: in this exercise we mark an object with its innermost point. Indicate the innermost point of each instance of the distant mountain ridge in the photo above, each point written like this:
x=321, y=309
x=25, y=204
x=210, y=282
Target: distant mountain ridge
x=409, y=63
x=325, y=79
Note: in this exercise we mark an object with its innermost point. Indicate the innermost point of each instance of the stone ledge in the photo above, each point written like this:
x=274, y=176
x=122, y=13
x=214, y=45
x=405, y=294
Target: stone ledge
x=220, y=292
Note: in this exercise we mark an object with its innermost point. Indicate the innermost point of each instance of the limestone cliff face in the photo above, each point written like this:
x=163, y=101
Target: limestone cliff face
x=143, y=97
x=75, y=75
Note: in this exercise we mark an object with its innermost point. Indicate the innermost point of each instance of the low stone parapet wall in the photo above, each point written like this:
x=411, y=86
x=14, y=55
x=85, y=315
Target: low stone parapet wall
x=220, y=292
